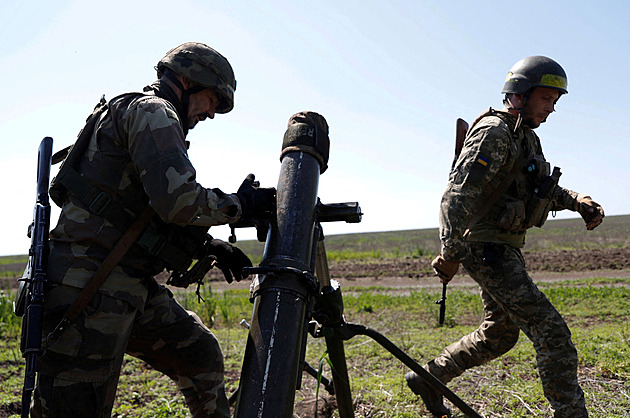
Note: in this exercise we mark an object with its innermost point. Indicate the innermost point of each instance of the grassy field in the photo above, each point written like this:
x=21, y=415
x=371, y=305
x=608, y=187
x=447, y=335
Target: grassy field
x=597, y=310
x=564, y=234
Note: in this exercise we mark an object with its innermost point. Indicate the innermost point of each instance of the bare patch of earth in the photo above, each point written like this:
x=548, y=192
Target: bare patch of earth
x=416, y=272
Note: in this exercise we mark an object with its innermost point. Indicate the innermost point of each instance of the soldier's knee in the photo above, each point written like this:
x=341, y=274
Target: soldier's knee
x=199, y=343
x=197, y=320
x=509, y=340
x=502, y=334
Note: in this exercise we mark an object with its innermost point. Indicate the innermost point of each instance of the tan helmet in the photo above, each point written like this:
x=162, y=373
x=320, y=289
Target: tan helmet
x=204, y=66
x=535, y=71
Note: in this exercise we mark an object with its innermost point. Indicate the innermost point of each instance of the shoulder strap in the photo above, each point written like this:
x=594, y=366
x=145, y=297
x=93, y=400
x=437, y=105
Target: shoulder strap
x=120, y=249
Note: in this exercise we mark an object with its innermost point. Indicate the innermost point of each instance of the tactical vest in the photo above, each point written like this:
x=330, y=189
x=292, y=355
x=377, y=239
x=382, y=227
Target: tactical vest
x=525, y=197
x=168, y=246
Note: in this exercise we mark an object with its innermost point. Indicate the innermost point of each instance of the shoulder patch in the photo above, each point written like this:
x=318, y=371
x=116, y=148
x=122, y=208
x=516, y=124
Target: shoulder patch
x=482, y=160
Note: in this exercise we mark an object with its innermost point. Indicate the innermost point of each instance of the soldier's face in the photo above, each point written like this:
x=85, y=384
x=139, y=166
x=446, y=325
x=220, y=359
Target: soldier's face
x=540, y=104
x=202, y=105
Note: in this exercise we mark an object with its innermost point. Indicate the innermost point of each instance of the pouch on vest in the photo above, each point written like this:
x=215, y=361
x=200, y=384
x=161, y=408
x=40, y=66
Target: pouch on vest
x=512, y=217
x=540, y=204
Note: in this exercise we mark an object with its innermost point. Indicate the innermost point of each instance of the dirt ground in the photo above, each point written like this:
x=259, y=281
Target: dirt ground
x=415, y=272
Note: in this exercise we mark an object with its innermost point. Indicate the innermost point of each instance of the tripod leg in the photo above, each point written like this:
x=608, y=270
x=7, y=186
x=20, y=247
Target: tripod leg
x=334, y=345
x=341, y=383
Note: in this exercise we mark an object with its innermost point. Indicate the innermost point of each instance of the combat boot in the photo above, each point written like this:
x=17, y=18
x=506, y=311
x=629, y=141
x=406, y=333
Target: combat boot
x=431, y=397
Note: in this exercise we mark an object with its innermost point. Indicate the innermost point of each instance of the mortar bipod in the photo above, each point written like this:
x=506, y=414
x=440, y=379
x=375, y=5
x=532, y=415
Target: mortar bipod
x=330, y=324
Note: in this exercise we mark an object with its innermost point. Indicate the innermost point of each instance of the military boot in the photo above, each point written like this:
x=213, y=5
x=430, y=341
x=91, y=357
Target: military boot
x=431, y=397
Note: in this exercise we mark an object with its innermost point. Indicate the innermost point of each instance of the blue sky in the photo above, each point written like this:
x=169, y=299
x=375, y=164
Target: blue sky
x=390, y=77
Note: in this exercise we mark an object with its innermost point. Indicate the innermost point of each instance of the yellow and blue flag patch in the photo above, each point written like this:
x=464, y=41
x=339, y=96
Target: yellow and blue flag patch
x=482, y=160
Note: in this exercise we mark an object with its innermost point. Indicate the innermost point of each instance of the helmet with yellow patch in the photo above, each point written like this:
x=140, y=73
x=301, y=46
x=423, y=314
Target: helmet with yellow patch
x=535, y=71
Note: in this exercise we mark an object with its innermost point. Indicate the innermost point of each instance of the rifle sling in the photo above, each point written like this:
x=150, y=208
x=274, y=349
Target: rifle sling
x=111, y=261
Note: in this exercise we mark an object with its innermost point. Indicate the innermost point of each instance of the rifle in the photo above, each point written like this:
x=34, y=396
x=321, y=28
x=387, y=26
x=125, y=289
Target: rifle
x=30, y=300
x=461, y=127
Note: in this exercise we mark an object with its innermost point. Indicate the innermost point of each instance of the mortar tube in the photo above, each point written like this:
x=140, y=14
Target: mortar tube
x=275, y=344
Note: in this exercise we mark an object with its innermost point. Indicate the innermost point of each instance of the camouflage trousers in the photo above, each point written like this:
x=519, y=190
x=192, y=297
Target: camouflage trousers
x=78, y=374
x=512, y=303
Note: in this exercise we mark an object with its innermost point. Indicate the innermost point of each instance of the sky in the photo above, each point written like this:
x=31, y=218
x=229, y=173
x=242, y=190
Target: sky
x=391, y=78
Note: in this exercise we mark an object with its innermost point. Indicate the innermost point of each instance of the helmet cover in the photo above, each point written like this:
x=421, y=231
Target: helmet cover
x=206, y=67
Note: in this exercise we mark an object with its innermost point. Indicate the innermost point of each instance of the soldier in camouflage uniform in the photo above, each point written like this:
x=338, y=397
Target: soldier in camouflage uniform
x=484, y=230
x=137, y=157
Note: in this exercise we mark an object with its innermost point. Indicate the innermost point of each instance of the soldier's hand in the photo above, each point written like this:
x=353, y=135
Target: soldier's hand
x=256, y=202
x=590, y=210
x=444, y=269
x=230, y=260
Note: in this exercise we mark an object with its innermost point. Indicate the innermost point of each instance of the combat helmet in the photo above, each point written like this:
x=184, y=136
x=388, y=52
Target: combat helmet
x=535, y=71
x=204, y=66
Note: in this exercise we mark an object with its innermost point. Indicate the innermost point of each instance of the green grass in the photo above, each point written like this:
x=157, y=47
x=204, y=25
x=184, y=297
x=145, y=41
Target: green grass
x=564, y=234
x=597, y=311
x=13, y=259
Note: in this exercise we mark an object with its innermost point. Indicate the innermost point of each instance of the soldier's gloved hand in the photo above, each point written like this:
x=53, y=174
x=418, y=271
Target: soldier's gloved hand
x=230, y=260
x=444, y=269
x=256, y=202
x=245, y=194
x=590, y=210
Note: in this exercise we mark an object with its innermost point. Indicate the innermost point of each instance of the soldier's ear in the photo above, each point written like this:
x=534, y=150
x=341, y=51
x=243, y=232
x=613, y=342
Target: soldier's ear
x=514, y=101
x=186, y=83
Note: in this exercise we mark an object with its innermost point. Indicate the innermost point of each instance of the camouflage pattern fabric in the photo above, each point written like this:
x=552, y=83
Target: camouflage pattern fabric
x=79, y=372
x=140, y=157
x=205, y=66
x=489, y=153
x=491, y=255
x=512, y=302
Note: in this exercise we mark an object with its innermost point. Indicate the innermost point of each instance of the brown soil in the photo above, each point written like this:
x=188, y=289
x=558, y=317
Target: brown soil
x=410, y=272
x=555, y=261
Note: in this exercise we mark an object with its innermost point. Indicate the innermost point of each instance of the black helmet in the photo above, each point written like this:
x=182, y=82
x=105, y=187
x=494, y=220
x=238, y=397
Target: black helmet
x=535, y=71
x=204, y=66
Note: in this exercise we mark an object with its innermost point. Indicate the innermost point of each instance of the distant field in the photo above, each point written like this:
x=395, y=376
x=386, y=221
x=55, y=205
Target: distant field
x=561, y=245
x=597, y=309
x=565, y=234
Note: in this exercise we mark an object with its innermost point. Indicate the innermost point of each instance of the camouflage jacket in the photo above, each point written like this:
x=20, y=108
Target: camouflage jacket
x=490, y=152
x=139, y=157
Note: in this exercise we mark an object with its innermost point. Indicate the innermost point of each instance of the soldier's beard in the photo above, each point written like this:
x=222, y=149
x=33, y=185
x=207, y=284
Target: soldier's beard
x=532, y=122
x=193, y=122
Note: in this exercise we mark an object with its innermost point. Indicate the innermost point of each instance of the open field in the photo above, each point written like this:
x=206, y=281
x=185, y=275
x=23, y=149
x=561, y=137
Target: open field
x=387, y=286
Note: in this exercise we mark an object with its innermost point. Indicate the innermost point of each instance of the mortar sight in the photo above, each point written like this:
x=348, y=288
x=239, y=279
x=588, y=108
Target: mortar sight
x=349, y=212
